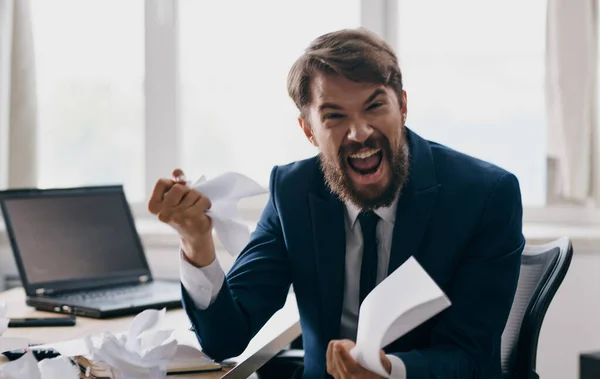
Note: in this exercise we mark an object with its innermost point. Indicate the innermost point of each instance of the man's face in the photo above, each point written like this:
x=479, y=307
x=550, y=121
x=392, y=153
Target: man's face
x=359, y=129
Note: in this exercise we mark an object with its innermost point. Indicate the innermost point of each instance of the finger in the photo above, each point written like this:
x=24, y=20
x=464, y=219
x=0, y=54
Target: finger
x=174, y=195
x=191, y=215
x=175, y=213
x=171, y=199
x=188, y=200
x=340, y=369
x=347, y=344
x=329, y=358
x=156, y=198
x=178, y=175
x=347, y=362
x=387, y=365
x=189, y=208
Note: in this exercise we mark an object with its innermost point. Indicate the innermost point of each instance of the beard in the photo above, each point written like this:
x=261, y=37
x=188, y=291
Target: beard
x=335, y=170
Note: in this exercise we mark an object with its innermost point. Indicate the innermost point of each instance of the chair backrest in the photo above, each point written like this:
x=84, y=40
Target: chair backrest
x=543, y=268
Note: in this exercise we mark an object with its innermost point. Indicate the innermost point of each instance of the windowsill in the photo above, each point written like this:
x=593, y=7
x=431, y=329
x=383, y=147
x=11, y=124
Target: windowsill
x=585, y=237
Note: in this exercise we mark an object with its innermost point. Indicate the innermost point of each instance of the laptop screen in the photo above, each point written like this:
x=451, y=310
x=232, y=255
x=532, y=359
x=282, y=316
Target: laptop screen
x=74, y=236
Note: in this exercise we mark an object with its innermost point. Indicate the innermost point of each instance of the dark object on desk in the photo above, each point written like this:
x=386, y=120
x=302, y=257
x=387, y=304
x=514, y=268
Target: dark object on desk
x=589, y=365
x=39, y=322
x=543, y=269
x=78, y=252
x=39, y=354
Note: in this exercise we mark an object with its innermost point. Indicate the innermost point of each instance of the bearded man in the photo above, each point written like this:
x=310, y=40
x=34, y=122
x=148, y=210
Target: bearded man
x=337, y=224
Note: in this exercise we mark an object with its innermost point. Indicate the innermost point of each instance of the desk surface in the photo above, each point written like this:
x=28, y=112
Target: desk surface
x=280, y=331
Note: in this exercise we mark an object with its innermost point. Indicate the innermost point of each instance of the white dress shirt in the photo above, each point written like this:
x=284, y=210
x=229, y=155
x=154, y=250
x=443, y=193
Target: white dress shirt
x=203, y=284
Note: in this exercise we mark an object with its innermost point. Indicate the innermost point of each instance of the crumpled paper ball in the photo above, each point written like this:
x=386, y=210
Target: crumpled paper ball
x=143, y=352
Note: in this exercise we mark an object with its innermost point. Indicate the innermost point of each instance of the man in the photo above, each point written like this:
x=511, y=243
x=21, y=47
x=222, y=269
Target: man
x=337, y=224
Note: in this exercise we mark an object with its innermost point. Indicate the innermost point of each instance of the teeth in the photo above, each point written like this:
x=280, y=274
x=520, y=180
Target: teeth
x=364, y=154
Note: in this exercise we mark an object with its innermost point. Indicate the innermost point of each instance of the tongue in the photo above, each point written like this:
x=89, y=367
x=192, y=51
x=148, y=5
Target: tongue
x=366, y=164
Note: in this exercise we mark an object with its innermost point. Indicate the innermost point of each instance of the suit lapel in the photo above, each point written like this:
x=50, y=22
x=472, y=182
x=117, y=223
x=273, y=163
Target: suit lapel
x=412, y=216
x=329, y=239
x=415, y=204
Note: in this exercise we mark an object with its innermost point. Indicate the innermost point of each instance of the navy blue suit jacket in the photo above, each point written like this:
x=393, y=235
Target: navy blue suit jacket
x=460, y=217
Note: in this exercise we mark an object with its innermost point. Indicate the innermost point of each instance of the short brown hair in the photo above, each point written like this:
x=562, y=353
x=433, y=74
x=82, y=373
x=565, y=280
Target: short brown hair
x=357, y=54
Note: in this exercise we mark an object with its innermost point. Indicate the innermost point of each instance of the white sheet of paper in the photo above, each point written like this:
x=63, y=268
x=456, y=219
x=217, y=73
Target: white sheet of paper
x=224, y=193
x=28, y=367
x=3, y=319
x=59, y=367
x=24, y=367
x=405, y=299
x=13, y=343
x=188, y=356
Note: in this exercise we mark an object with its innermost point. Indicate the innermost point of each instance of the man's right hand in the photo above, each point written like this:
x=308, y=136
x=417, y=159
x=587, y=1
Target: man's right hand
x=184, y=208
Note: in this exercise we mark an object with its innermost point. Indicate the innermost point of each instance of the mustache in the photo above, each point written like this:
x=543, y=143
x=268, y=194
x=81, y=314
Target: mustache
x=372, y=142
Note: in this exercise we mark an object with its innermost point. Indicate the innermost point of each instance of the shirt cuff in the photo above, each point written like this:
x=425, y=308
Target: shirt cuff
x=202, y=283
x=398, y=367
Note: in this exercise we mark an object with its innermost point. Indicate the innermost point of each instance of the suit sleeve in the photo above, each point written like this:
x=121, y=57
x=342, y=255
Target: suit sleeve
x=466, y=340
x=255, y=288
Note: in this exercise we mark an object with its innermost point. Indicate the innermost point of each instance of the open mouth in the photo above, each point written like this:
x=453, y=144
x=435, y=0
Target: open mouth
x=366, y=161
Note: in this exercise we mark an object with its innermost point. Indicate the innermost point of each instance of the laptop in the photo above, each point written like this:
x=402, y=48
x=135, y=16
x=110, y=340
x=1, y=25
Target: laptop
x=78, y=252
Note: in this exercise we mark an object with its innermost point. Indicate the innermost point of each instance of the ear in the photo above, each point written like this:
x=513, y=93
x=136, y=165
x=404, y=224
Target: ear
x=308, y=132
x=404, y=108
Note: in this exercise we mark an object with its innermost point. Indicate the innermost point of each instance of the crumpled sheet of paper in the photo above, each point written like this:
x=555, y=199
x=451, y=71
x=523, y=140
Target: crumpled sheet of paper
x=224, y=193
x=142, y=353
x=27, y=367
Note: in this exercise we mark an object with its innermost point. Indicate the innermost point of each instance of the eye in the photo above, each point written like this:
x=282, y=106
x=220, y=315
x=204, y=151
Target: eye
x=330, y=116
x=375, y=105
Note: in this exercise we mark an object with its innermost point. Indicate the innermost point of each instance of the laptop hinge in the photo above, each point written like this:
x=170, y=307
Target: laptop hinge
x=144, y=279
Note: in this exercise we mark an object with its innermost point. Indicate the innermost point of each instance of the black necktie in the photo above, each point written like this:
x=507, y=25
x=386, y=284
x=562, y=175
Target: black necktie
x=368, y=271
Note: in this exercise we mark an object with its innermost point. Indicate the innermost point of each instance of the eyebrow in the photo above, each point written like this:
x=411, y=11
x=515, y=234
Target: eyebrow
x=375, y=93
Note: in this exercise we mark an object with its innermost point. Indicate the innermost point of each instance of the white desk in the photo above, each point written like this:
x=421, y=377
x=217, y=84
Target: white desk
x=280, y=331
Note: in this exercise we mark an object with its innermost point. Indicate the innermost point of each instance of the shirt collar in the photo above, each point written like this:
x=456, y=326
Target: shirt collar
x=387, y=214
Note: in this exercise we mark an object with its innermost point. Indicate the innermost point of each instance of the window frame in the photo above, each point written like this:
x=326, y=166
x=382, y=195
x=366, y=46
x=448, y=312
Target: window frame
x=163, y=130
x=161, y=90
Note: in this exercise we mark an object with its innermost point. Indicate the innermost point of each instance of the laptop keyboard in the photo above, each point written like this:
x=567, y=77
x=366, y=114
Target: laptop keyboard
x=120, y=294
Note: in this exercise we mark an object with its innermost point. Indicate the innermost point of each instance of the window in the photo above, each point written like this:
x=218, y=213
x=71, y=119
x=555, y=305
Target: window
x=474, y=83
x=236, y=113
x=90, y=75
x=474, y=74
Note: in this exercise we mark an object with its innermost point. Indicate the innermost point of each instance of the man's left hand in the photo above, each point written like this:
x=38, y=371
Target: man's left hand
x=341, y=365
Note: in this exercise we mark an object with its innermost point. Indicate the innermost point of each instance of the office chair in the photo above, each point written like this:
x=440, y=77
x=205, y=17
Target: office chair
x=543, y=268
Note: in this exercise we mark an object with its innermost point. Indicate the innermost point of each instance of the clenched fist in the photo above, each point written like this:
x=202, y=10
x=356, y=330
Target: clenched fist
x=341, y=365
x=184, y=208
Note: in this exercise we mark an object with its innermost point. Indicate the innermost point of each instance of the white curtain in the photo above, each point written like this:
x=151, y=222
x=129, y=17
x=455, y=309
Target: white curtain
x=18, y=98
x=571, y=82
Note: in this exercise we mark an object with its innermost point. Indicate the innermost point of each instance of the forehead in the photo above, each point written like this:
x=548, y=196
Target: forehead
x=337, y=89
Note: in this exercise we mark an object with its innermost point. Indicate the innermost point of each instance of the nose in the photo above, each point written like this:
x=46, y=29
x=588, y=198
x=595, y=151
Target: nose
x=359, y=131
